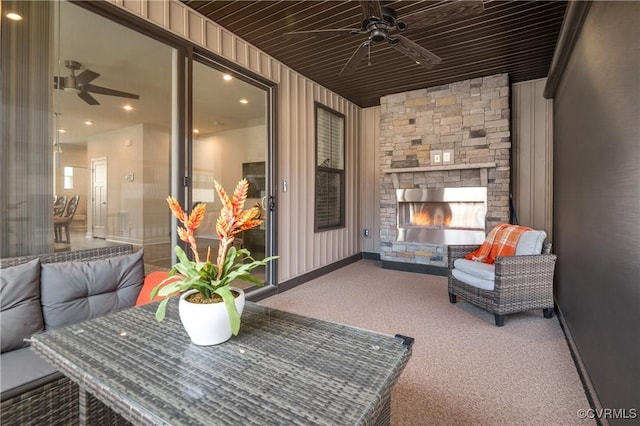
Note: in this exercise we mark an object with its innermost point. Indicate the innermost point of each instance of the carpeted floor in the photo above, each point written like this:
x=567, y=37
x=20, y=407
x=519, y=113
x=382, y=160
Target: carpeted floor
x=464, y=369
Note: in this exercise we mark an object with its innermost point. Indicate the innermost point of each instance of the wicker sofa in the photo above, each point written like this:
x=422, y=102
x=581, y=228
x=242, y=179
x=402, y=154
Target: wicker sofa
x=33, y=392
x=521, y=283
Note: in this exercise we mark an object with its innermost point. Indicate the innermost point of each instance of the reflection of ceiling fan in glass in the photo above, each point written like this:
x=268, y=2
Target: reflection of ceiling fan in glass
x=379, y=23
x=80, y=84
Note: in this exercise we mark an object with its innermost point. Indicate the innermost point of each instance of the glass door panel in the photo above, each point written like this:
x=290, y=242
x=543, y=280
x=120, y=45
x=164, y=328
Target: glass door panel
x=230, y=142
x=113, y=104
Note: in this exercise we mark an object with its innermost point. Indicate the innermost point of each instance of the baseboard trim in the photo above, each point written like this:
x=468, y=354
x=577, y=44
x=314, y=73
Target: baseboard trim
x=589, y=390
x=370, y=256
x=301, y=279
x=419, y=268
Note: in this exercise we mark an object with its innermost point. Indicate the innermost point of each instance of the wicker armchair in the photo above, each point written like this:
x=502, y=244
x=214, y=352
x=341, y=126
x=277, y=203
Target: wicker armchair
x=522, y=283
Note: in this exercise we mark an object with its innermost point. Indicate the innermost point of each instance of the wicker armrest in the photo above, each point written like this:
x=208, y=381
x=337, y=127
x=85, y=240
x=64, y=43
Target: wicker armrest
x=459, y=252
x=525, y=272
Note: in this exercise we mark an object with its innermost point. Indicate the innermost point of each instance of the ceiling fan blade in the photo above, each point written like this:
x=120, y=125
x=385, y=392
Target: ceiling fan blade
x=111, y=92
x=355, y=59
x=445, y=12
x=319, y=33
x=416, y=52
x=371, y=8
x=87, y=76
x=88, y=98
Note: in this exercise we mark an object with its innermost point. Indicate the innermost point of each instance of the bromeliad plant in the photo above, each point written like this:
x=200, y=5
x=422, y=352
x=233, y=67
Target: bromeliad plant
x=212, y=280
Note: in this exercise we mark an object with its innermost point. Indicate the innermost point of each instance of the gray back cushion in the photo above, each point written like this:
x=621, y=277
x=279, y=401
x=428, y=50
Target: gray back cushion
x=530, y=242
x=77, y=291
x=20, y=312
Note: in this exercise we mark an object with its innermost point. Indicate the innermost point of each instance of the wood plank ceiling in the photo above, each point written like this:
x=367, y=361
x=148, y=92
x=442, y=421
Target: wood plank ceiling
x=514, y=37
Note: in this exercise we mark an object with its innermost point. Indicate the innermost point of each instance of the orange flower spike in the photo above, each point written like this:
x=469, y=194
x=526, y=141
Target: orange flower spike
x=183, y=234
x=222, y=227
x=249, y=224
x=196, y=216
x=239, y=196
x=252, y=214
x=223, y=196
x=176, y=209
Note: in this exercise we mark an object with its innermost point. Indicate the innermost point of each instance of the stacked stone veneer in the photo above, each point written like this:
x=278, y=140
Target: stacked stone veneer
x=471, y=117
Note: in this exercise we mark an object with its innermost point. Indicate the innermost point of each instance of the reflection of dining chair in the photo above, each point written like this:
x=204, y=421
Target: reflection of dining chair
x=64, y=222
x=59, y=204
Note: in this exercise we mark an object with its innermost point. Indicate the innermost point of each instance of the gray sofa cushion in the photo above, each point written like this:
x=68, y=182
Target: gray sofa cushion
x=77, y=291
x=21, y=314
x=22, y=370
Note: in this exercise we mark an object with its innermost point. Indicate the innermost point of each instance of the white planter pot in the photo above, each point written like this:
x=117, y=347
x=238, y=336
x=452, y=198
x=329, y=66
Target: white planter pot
x=207, y=324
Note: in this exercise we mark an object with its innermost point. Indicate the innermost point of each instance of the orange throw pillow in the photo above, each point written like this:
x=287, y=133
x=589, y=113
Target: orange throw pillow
x=150, y=281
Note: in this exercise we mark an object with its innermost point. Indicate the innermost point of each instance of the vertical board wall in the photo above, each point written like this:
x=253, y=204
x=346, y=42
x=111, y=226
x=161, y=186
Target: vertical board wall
x=532, y=155
x=370, y=180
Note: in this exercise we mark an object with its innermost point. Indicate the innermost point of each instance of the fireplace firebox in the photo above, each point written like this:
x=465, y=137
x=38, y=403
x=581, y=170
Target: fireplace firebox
x=442, y=215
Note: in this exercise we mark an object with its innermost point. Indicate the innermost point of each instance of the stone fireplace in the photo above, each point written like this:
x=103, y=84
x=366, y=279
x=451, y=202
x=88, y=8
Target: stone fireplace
x=428, y=203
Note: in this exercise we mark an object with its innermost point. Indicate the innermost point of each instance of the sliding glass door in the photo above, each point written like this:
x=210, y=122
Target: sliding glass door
x=230, y=142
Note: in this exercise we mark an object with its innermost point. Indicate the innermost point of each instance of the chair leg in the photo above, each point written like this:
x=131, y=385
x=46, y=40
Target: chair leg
x=499, y=320
x=452, y=298
x=66, y=230
x=548, y=312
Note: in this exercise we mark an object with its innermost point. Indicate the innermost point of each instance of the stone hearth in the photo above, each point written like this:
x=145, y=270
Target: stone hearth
x=470, y=120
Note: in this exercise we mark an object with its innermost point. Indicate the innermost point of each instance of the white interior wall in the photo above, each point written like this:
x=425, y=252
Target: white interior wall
x=123, y=149
x=156, y=217
x=219, y=157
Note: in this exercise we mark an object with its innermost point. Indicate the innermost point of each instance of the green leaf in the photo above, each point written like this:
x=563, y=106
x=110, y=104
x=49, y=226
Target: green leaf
x=169, y=289
x=230, y=303
x=162, y=309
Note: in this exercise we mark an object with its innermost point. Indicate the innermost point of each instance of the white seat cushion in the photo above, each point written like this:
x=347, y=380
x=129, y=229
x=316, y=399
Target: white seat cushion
x=473, y=280
x=481, y=270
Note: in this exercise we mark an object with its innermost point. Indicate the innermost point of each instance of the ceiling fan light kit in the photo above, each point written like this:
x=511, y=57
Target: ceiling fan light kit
x=81, y=84
x=380, y=23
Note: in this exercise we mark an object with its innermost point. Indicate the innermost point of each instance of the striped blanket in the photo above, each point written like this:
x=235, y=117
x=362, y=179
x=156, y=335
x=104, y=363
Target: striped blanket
x=501, y=241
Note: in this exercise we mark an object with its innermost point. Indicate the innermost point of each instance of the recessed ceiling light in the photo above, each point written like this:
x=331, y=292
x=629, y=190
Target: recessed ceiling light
x=196, y=131
x=89, y=123
x=127, y=107
x=227, y=77
x=244, y=101
x=14, y=16
x=62, y=131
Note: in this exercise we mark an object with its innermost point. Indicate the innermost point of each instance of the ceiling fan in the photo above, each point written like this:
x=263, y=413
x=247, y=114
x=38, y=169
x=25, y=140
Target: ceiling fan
x=80, y=84
x=381, y=23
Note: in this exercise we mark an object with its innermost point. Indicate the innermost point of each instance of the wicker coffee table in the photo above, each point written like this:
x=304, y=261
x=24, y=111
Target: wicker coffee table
x=281, y=369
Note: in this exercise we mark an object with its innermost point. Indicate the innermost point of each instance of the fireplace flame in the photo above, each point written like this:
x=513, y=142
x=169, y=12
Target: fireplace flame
x=425, y=219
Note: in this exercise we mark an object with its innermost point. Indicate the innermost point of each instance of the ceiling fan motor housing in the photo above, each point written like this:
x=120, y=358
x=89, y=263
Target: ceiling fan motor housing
x=71, y=84
x=378, y=28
